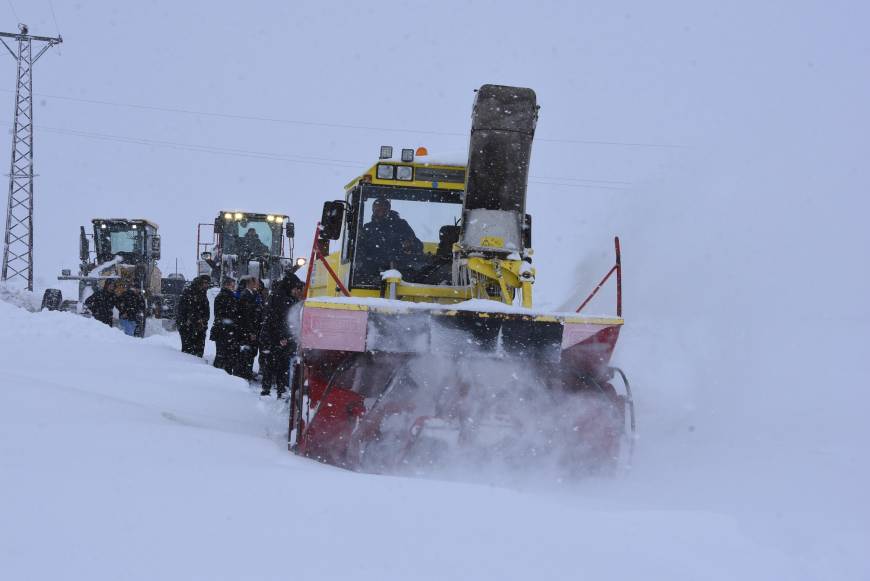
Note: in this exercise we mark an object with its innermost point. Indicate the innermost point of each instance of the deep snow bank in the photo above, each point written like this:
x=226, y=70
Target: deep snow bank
x=123, y=458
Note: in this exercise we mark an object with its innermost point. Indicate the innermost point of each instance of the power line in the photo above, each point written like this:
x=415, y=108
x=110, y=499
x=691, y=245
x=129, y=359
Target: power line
x=299, y=159
x=54, y=17
x=310, y=160
x=592, y=180
x=14, y=12
x=241, y=117
x=568, y=184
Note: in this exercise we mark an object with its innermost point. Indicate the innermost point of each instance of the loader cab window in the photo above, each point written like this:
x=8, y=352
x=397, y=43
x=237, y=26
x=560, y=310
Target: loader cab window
x=114, y=238
x=252, y=238
x=402, y=228
x=126, y=241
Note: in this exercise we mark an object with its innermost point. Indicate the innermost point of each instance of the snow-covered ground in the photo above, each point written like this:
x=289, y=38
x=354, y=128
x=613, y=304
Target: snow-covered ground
x=725, y=143
x=125, y=459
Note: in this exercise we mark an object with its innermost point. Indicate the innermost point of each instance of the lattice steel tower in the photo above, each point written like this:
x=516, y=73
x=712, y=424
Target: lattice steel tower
x=18, y=243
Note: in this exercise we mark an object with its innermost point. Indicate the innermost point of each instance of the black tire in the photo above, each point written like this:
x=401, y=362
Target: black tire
x=52, y=299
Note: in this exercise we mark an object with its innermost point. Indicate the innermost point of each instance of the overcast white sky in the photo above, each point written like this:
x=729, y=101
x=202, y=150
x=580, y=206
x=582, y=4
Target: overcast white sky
x=766, y=101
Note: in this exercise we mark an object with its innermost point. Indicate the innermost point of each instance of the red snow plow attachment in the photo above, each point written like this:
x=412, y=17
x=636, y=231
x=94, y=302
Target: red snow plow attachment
x=388, y=386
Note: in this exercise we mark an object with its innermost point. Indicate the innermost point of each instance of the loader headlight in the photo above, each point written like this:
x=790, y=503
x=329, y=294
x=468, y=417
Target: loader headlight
x=103, y=226
x=228, y=216
x=238, y=215
x=386, y=152
x=408, y=155
x=386, y=172
x=300, y=261
x=405, y=173
x=270, y=218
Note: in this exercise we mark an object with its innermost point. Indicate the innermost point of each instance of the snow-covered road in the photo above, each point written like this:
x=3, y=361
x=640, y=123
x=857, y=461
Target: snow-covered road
x=125, y=459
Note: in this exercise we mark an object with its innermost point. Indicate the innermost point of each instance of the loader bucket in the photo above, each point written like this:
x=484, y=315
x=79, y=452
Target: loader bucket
x=389, y=386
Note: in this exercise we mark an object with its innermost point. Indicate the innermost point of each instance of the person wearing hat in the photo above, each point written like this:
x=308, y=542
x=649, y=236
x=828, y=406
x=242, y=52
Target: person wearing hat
x=276, y=336
x=385, y=240
x=192, y=315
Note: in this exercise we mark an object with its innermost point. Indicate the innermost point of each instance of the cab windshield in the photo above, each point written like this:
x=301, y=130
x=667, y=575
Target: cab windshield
x=408, y=229
x=252, y=238
x=120, y=238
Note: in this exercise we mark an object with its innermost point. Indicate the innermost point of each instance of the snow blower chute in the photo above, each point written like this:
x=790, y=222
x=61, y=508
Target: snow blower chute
x=419, y=346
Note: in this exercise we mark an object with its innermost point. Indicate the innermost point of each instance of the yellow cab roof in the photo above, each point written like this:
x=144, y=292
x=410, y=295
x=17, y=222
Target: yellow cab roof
x=421, y=179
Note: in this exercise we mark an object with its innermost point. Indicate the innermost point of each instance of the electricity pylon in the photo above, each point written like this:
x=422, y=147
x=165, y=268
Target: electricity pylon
x=18, y=243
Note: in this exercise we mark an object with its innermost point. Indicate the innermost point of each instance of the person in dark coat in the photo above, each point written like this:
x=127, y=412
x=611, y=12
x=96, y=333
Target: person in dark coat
x=386, y=239
x=250, y=245
x=192, y=314
x=131, y=309
x=223, y=329
x=102, y=302
x=263, y=356
x=249, y=317
x=276, y=336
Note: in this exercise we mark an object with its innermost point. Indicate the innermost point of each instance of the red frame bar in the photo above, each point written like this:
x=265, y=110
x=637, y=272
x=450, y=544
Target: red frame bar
x=617, y=268
x=317, y=255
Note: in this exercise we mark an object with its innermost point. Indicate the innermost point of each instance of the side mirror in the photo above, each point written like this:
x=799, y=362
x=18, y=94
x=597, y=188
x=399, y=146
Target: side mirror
x=291, y=230
x=330, y=221
x=155, y=247
x=84, y=249
x=527, y=231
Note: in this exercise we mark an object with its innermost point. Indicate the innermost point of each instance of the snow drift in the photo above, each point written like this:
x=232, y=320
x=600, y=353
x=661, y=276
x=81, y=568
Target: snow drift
x=127, y=459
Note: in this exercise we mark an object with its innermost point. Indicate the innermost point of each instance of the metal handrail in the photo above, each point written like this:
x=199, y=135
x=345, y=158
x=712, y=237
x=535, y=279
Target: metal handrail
x=617, y=268
x=316, y=254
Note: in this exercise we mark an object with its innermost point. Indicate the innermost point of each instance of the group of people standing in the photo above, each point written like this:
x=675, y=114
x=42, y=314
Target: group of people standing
x=248, y=321
x=118, y=294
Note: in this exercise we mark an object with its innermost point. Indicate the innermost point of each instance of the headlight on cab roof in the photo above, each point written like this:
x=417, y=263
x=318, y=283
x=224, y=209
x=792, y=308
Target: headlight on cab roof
x=405, y=173
x=270, y=218
x=238, y=215
x=228, y=216
x=386, y=172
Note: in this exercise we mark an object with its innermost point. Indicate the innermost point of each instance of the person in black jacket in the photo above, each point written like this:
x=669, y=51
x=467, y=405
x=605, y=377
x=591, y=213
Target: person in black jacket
x=223, y=329
x=263, y=356
x=249, y=317
x=131, y=309
x=385, y=240
x=276, y=336
x=102, y=302
x=192, y=314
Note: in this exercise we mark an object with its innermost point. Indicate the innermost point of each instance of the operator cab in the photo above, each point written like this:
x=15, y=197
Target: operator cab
x=404, y=215
x=134, y=240
x=251, y=235
x=405, y=229
x=245, y=243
